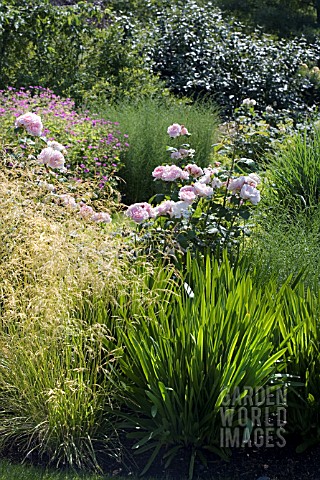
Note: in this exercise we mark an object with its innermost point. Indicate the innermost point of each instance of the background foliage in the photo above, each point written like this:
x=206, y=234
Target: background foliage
x=198, y=52
x=93, y=51
x=72, y=49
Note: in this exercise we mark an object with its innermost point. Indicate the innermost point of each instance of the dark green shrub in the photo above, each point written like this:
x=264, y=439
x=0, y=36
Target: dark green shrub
x=42, y=44
x=73, y=49
x=282, y=17
x=197, y=52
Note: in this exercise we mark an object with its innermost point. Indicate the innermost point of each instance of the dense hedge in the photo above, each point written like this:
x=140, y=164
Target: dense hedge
x=198, y=53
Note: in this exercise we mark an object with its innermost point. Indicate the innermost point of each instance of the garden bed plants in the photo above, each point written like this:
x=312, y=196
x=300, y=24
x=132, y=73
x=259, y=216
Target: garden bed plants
x=148, y=338
x=159, y=254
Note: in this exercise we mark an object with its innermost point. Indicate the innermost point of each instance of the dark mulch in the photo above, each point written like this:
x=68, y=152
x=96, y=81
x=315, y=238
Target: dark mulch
x=245, y=464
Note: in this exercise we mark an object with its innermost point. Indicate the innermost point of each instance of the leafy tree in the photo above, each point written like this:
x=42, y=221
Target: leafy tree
x=83, y=50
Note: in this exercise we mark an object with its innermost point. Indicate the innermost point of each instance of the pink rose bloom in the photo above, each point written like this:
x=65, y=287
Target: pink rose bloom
x=248, y=192
x=45, y=155
x=253, y=177
x=187, y=153
x=194, y=170
x=164, y=208
x=174, y=130
x=182, y=153
x=216, y=183
x=237, y=183
x=31, y=122
x=184, y=175
x=140, y=212
x=56, y=160
x=180, y=210
x=184, y=131
x=86, y=211
x=188, y=194
x=172, y=173
x=101, y=217
x=52, y=158
x=158, y=172
x=202, y=189
x=208, y=174
x=69, y=201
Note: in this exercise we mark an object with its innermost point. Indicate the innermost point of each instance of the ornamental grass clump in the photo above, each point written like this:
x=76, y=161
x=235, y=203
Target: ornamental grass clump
x=145, y=120
x=54, y=389
x=294, y=173
x=49, y=253
x=282, y=245
x=55, y=367
x=298, y=330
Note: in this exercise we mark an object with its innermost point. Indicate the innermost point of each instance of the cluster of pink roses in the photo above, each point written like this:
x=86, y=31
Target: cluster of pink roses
x=246, y=187
x=87, y=212
x=51, y=155
x=170, y=173
x=141, y=212
x=204, y=183
x=175, y=130
x=181, y=153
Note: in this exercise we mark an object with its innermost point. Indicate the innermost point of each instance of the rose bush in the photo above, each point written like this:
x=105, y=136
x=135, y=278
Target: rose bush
x=254, y=133
x=201, y=210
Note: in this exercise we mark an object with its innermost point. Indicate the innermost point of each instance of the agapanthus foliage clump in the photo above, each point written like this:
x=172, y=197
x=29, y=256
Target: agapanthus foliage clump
x=201, y=209
x=93, y=146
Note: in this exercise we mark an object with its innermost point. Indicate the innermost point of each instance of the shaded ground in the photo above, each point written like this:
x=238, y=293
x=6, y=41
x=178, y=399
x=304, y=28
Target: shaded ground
x=245, y=464
x=249, y=464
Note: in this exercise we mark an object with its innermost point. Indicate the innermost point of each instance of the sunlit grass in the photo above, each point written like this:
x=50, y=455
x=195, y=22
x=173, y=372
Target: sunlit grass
x=282, y=244
x=146, y=122
x=53, y=386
